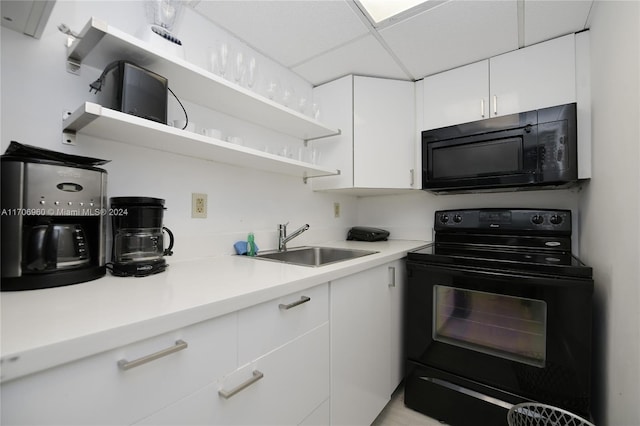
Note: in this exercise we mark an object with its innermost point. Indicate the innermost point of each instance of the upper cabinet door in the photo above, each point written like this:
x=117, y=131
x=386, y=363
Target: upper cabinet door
x=383, y=133
x=538, y=76
x=457, y=96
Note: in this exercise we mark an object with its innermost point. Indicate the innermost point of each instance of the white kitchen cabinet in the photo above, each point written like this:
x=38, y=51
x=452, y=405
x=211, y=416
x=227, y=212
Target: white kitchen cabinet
x=283, y=368
x=269, y=325
x=365, y=312
x=97, y=390
x=397, y=273
x=538, y=76
x=457, y=96
x=376, y=149
x=294, y=382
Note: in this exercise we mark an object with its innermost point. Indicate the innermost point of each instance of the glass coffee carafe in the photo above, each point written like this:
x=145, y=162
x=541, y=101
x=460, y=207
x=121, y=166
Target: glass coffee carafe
x=138, y=239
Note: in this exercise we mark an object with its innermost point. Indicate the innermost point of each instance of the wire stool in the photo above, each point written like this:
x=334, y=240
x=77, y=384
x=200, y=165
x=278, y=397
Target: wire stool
x=535, y=414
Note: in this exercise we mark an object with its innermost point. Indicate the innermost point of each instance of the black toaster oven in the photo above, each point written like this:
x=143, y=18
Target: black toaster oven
x=134, y=90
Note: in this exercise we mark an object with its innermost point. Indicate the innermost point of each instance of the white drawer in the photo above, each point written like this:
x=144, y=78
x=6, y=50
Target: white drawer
x=292, y=383
x=96, y=390
x=264, y=327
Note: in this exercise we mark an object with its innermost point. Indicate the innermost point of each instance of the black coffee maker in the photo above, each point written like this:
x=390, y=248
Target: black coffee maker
x=138, y=239
x=53, y=221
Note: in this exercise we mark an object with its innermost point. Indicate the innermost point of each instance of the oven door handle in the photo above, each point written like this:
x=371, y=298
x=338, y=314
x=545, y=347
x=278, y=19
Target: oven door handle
x=469, y=392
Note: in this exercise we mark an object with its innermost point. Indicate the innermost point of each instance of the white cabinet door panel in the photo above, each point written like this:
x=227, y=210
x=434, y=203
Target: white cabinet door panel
x=396, y=294
x=335, y=101
x=383, y=136
x=360, y=353
x=538, y=76
x=295, y=382
x=266, y=326
x=95, y=391
x=457, y=96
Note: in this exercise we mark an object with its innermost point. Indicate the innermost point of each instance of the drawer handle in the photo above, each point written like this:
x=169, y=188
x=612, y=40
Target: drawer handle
x=303, y=299
x=123, y=364
x=392, y=276
x=257, y=375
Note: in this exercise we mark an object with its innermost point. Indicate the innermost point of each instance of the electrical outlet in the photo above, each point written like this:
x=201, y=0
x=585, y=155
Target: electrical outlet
x=336, y=209
x=198, y=205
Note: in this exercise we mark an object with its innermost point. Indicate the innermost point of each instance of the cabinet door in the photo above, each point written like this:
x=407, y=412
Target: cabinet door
x=537, y=76
x=335, y=100
x=264, y=327
x=360, y=354
x=397, y=282
x=294, y=383
x=95, y=390
x=457, y=96
x=383, y=133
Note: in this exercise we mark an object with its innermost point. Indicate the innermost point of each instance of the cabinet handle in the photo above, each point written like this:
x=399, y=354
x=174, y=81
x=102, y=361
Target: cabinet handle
x=123, y=364
x=495, y=105
x=257, y=375
x=482, y=108
x=303, y=299
x=392, y=276
x=413, y=177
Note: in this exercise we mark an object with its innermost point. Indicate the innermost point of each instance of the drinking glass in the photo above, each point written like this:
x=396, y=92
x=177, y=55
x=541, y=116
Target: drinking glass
x=315, y=110
x=287, y=96
x=238, y=67
x=252, y=70
x=273, y=88
x=221, y=55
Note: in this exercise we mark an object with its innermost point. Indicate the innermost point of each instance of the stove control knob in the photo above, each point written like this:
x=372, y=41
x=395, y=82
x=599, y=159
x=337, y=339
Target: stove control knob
x=556, y=219
x=457, y=218
x=537, y=219
x=444, y=218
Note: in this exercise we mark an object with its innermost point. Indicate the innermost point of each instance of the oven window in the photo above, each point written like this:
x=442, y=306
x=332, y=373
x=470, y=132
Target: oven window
x=505, y=326
x=478, y=158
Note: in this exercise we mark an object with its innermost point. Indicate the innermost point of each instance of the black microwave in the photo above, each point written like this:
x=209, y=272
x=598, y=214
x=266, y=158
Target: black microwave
x=526, y=150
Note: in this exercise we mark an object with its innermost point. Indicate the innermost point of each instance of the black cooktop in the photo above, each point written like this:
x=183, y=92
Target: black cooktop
x=504, y=240
x=561, y=264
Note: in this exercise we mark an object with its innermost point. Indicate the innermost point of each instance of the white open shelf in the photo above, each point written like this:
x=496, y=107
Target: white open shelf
x=101, y=44
x=94, y=120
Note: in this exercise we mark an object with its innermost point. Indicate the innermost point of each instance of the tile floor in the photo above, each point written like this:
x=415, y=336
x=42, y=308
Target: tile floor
x=396, y=414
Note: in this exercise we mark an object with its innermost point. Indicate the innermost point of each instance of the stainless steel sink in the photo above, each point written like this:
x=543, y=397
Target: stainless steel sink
x=313, y=256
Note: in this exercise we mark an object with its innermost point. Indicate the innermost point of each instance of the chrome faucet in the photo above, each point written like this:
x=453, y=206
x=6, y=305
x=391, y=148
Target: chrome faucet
x=282, y=235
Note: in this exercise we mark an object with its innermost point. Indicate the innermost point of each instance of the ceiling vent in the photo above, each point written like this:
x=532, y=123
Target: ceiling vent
x=27, y=17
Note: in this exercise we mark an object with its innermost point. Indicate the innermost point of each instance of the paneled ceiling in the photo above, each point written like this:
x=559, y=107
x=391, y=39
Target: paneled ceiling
x=322, y=40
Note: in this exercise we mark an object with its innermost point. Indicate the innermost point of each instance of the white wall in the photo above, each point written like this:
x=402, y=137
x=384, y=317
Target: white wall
x=410, y=216
x=36, y=90
x=610, y=209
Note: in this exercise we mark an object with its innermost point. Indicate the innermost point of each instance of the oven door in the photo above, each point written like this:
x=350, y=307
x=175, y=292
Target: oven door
x=522, y=334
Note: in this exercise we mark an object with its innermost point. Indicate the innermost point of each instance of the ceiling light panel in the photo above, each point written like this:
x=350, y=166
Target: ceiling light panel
x=379, y=10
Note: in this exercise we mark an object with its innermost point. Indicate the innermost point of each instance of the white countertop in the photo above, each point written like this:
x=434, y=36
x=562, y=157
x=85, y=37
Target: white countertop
x=44, y=328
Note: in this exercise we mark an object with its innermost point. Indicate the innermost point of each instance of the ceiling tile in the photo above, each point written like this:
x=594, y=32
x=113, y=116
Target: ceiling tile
x=290, y=32
x=544, y=20
x=454, y=33
x=364, y=56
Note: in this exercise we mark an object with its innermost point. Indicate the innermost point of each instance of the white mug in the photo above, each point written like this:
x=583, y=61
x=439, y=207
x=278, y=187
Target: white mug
x=179, y=124
x=212, y=133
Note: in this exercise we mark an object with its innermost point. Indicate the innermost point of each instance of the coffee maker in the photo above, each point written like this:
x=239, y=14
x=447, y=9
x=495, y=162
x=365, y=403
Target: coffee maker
x=53, y=223
x=138, y=240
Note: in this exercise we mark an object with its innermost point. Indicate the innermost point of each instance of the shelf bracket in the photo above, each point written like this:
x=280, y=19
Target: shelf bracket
x=68, y=137
x=306, y=141
x=305, y=177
